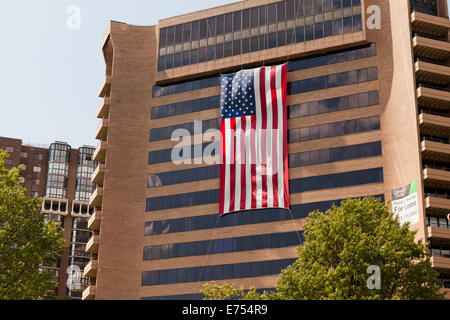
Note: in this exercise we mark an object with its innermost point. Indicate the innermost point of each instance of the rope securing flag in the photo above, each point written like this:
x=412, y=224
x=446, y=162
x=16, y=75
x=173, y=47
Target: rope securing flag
x=253, y=125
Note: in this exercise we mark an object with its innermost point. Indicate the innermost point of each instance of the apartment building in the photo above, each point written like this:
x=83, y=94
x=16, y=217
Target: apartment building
x=61, y=176
x=368, y=114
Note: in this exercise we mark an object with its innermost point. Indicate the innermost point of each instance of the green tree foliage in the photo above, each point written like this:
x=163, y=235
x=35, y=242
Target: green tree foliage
x=339, y=247
x=27, y=242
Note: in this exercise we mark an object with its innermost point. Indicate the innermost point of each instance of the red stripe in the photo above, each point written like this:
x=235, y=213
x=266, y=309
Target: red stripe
x=262, y=86
x=253, y=158
x=243, y=161
x=285, y=147
x=274, y=155
x=222, y=167
x=233, y=163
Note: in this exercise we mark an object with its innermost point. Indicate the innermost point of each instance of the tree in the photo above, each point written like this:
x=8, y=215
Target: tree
x=340, y=245
x=27, y=241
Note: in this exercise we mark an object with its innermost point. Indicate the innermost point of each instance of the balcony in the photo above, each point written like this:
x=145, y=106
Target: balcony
x=429, y=24
x=102, y=130
x=105, y=89
x=434, y=123
x=432, y=71
x=94, y=220
x=435, y=150
x=441, y=264
x=92, y=244
x=96, y=197
x=90, y=270
x=89, y=293
x=435, y=204
x=436, y=178
x=103, y=110
x=80, y=209
x=100, y=152
x=99, y=174
x=435, y=97
x=55, y=206
x=439, y=236
x=430, y=46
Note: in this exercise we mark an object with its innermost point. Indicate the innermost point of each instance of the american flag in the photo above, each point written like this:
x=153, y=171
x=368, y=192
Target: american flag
x=253, y=125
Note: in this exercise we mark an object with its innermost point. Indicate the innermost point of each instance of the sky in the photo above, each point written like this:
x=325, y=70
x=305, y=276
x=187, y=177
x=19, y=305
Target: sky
x=51, y=74
x=51, y=71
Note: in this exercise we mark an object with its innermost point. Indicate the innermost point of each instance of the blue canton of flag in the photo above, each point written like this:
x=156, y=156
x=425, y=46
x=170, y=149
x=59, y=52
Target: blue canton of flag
x=237, y=96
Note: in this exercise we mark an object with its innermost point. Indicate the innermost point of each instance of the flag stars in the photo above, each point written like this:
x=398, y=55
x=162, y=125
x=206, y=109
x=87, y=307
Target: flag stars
x=237, y=94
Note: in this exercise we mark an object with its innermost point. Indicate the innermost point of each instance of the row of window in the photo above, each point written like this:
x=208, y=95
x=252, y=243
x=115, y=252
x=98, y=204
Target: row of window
x=260, y=42
x=300, y=86
x=211, y=221
x=293, y=65
x=265, y=19
x=217, y=246
x=165, y=155
x=182, y=200
x=299, y=110
x=85, y=156
x=188, y=129
x=425, y=6
x=57, y=181
x=24, y=154
x=437, y=193
x=308, y=158
x=58, y=168
x=294, y=135
x=439, y=252
x=83, y=195
x=60, y=152
x=182, y=176
x=248, y=18
x=84, y=184
x=338, y=180
x=334, y=104
x=295, y=160
x=335, y=129
x=53, y=192
x=217, y=272
x=84, y=171
x=189, y=106
x=438, y=222
x=333, y=80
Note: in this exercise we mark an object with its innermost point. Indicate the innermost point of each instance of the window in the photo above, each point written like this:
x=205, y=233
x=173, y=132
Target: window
x=24, y=154
x=38, y=156
x=217, y=272
x=36, y=169
x=36, y=181
x=9, y=149
x=276, y=240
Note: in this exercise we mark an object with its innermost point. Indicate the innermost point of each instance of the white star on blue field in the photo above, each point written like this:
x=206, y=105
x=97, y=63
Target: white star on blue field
x=237, y=97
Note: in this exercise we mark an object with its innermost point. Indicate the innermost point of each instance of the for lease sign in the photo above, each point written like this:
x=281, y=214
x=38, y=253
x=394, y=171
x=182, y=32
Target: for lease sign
x=405, y=203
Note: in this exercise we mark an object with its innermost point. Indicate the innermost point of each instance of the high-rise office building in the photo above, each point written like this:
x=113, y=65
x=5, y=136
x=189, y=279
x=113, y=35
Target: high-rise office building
x=61, y=176
x=368, y=102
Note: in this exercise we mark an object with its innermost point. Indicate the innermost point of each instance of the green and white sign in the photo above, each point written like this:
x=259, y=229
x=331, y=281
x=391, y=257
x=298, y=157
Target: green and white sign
x=405, y=203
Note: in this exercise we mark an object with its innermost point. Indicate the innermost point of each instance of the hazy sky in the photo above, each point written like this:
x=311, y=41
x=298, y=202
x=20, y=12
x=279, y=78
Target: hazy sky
x=51, y=75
